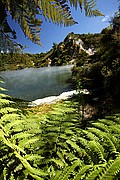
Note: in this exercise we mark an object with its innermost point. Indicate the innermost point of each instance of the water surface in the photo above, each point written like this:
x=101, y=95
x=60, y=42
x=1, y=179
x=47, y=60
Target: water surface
x=31, y=83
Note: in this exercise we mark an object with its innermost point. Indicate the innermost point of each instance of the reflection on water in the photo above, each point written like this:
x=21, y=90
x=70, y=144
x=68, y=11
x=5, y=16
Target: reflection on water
x=31, y=83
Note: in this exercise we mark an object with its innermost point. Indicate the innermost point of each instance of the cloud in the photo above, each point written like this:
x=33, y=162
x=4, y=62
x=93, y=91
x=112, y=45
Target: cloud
x=106, y=18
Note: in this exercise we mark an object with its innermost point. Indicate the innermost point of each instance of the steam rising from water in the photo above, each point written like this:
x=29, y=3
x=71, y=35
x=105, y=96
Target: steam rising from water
x=30, y=84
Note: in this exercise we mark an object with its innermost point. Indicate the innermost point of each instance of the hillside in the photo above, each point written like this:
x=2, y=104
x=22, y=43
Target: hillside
x=65, y=52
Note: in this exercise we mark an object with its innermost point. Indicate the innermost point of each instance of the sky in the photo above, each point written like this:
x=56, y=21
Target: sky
x=51, y=33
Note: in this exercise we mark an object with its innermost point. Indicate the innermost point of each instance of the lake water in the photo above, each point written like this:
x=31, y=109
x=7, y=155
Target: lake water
x=31, y=83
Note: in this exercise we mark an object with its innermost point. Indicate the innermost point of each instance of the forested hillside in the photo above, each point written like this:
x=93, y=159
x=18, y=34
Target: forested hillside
x=65, y=52
x=100, y=72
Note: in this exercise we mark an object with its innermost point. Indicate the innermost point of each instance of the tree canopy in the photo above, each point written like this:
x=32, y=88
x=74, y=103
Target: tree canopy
x=28, y=15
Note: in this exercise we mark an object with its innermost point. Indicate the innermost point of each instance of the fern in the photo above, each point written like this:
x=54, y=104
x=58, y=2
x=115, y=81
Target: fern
x=29, y=15
x=56, y=145
x=111, y=171
x=14, y=128
x=88, y=6
x=105, y=139
x=82, y=173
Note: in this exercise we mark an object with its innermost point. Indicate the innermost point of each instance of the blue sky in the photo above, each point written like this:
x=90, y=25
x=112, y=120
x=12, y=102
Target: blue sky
x=53, y=33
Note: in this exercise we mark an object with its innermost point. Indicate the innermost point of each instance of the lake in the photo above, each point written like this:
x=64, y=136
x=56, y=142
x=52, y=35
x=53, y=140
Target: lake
x=33, y=83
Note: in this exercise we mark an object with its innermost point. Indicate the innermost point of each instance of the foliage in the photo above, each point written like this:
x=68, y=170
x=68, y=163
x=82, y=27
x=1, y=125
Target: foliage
x=100, y=72
x=29, y=15
x=60, y=54
x=17, y=135
x=57, y=145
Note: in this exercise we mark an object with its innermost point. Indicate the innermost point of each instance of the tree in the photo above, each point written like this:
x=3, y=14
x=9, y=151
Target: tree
x=28, y=13
x=100, y=72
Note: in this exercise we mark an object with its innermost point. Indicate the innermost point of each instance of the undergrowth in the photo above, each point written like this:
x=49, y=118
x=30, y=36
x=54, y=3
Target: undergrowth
x=57, y=145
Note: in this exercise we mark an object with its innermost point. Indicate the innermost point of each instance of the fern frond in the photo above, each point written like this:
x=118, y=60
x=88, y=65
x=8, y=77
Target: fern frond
x=32, y=170
x=97, y=152
x=112, y=170
x=56, y=176
x=33, y=157
x=88, y=135
x=114, y=118
x=74, y=145
x=65, y=174
x=101, y=126
x=9, y=143
x=6, y=110
x=82, y=172
x=60, y=155
x=4, y=102
x=103, y=137
x=95, y=172
x=115, y=129
x=57, y=11
x=89, y=6
x=11, y=127
x=76, y=3
x=89, y=11
x=110, y=121
x=4, y=95
x=58, y=162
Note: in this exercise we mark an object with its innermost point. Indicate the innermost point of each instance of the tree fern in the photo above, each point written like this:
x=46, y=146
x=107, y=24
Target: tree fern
x=28, y=14
x=88, y=6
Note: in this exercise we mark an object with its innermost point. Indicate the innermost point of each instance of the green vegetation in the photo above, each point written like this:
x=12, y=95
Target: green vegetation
x=58, y=144
x=65, y=52
x=100, y=72
x=14, y=61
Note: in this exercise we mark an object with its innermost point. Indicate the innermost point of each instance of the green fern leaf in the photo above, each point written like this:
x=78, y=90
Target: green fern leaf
x=97, y=150
x=58, y=162
x=95, y=172
x=89, y=11
x=101, y=126
x=104, y=138
x=6, y=110
x=69, y=170
x=61, y=156
x=56, y=176
x=112, y=170
x=89, y=135
x=32, y=170
x=73, y=145
x=82, y=172
x=33, y=157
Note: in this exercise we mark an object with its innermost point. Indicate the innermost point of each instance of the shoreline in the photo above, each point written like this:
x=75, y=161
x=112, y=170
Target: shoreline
x=54, y=99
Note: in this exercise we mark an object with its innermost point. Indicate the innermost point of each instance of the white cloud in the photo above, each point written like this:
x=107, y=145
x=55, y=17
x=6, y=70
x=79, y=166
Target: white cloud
x=106, y=18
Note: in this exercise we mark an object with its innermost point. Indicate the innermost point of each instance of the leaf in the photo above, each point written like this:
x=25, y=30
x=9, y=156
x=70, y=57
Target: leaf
x=73, y=145
x=112, y=170
x=82, y=171
x=58, y=162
